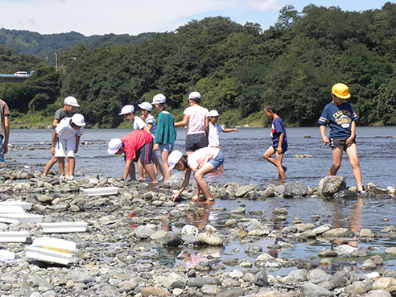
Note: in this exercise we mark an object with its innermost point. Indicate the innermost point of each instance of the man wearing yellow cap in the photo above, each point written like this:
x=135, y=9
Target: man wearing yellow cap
x=341, y=119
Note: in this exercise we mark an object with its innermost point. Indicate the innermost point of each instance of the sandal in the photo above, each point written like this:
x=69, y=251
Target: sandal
x=209, y=201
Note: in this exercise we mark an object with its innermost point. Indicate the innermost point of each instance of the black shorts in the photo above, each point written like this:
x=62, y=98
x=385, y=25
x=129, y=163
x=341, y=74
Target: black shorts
x=339, y=142
x=283, y=149
x=195, y=142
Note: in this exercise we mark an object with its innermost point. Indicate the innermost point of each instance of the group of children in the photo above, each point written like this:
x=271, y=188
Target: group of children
x=202, y=152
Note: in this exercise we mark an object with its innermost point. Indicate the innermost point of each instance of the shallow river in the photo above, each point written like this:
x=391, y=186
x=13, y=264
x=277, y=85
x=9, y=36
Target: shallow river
x=244, y=165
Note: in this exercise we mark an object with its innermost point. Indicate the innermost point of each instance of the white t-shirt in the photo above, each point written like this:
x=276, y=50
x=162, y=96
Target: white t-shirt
x=138, y=124
x=196, y=119
x=214, y=132
x=151, y=120
x=65, y=131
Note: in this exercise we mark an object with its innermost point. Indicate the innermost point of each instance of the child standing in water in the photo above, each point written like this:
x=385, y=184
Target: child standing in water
x=145, y=108
x=214, y=131
x=165, y=134
x=341, y=119
x=201, y=162
x=279, y=140
x=197, y=121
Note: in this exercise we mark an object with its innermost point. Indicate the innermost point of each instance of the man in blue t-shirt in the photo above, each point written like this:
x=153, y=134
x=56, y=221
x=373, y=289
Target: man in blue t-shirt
x=279, y=140
x=341, y=119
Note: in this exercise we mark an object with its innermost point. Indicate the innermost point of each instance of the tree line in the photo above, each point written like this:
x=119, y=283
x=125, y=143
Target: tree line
x=237, y=68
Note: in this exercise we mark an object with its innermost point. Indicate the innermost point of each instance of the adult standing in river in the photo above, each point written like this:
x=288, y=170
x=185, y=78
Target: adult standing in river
x=4, y=124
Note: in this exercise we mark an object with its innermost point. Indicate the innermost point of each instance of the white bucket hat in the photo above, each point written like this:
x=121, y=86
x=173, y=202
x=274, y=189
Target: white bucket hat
x=213, y=113
x=127, y=109
x=145, y=106
x=173, y=158
x=78, y=120
x=158, y=99
x=194, y=95
x=114, y=145
x=70, y=100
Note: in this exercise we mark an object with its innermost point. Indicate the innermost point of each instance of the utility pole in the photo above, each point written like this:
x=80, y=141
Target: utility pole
x=56, y=62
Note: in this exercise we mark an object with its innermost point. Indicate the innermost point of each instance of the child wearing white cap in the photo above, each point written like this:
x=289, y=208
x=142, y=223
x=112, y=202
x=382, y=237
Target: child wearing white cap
x=145, y=109
x=70, y=105
x=201, y=162
x=197, y=121
x=65, y=141
x=214, y=131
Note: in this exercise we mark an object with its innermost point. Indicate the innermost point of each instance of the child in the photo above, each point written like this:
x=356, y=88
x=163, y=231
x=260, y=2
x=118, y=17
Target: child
x=165, y=134
x=137, y=124
x=341, y=119
x=70, y=105
x=197, y=121
x=145, y=108
x=136, y=145
x=279, y=140
x=67, y=137
x=201, y=161
x=214, y=131
x=4, y=123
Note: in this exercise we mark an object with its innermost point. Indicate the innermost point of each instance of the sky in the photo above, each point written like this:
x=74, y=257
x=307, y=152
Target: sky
x=99, y=17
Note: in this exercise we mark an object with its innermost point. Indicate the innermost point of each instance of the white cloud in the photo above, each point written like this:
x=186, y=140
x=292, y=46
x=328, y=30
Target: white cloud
x=265, y=5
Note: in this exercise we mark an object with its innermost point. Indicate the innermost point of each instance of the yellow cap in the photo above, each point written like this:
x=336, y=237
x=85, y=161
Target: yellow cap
x=341, y=90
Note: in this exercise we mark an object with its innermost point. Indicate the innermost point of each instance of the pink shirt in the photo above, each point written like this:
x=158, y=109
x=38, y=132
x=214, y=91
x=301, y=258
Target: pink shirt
x=196, y=119
x=200, y=157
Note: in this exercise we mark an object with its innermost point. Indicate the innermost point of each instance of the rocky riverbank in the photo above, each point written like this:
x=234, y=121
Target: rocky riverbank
x=140, y=243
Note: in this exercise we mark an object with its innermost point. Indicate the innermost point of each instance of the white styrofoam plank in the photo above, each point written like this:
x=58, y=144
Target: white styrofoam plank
x=101, y=191
x=13, y=236
x=47, y=255
x=24, y=205
x=64, y=227
x=55, y=244
x=20, y=218
x=11, y=209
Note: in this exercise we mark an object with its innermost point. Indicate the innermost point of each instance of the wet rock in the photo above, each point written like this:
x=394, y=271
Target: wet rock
x=199, y=282
x=143, y=232
x=79, y=277
x=210, y=239
x=339, y=232
x=261, y=279
x=385, y=283
x=295, y=188
x=231, y=292
x=231, y=223
x=154, y=291
x=330, y=185
x=307, y=264
x=210, y=289
x=171, y=239
x=390, y=250
x=310, y=290
x=346, y=194
x=45, y=199
x=377, y=293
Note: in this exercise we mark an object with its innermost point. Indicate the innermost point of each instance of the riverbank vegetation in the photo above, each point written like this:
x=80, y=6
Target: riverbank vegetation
x=237, y=68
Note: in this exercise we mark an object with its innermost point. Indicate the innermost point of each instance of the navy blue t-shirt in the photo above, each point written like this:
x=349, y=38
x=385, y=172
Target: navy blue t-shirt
x=339, y=118
x=277, y=128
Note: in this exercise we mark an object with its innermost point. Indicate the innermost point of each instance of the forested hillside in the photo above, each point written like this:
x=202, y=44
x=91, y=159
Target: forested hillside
x=237, y=68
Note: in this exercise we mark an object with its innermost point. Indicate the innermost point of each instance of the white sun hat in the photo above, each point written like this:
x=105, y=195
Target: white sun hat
x=114, y=145
x=127, y=109
x=70, y=100
x=213, y=113
x=194, y=95
x=173, y=158
x=158, y=99
x=145, y=106
x=78, y=120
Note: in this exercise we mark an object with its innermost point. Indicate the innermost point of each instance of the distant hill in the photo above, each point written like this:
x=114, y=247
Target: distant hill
x=44, y=45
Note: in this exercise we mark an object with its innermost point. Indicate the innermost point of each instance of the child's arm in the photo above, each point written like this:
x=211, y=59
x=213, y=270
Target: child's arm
x=126, y=170
x=350, y=139
x=55, y=123
x=230, y=130
x=207, y=129
x=53, y=141
x=77, y=143
x=6, y=133
x=150, y=126
x=184, y=184
x=184, y=122
x=322, y=133
x=279, y=149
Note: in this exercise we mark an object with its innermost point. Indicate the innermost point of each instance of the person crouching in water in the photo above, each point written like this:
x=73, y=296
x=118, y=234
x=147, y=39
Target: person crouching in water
x=201, y=162
x=135, y=145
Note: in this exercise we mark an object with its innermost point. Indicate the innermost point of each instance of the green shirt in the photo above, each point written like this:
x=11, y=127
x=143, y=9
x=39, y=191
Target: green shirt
x=166, y=131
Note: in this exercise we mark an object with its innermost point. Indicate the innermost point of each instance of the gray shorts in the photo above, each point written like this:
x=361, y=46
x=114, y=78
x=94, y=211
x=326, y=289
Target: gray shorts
x=339, y=142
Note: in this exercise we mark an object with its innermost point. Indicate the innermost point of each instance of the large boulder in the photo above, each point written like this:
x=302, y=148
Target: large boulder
x=330, y=185
x=295, y=188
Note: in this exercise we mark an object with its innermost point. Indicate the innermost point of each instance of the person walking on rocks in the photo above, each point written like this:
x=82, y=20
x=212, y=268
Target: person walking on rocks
x=214, y=131
x=4, y=124
x=341, y=118
x=70, y=105
x=197, y=121
x=135, y=145
x=65, y=141
x=201, y=162
x=279, y=140
x=165, y=135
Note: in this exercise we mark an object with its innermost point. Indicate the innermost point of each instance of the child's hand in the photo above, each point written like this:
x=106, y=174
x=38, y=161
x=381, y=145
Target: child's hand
x=325, y=140
x=174, y=197
x=155, y=147
x=53, y=151
x=279, y=150
x=349, y=141
x=142, y=117
x=236, y=130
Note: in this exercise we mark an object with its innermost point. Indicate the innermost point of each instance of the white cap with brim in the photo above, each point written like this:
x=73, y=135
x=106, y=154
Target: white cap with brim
x=114, y=146
x=194, y=95
x=70, y=100
x=213, y=113
x=173, y=158
x=145, y=106
x=127, y=109
x=158, y=99
x=78, y=120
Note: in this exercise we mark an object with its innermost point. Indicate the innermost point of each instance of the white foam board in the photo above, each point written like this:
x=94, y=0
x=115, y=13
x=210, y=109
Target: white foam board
x=101, y=191
x=56, y=244
x=64, y=227
x=20, y=218
x=13, y=236
x=11, y=209
x=47, y=255
x=24, y=205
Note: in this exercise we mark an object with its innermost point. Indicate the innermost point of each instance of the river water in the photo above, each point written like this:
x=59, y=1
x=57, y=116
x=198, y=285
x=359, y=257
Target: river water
x=244, y=165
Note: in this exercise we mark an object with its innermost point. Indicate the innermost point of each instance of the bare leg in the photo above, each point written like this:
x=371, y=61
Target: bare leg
x=159, y=167
x=61, y=163
x=164, y=157
x=150, y=171
x=221, y=167
x=70, y=164
x=132, y=173
x=140, y=169
x=353, y=158
x=337, y=157
x=277, y=162
x=49, y=165
x=201, y=182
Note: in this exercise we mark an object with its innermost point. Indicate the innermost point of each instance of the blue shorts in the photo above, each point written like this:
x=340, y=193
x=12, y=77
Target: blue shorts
x=218, y=161
x=144, y=154
x=195, y=142
x=2, y=159
x=167, y=147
